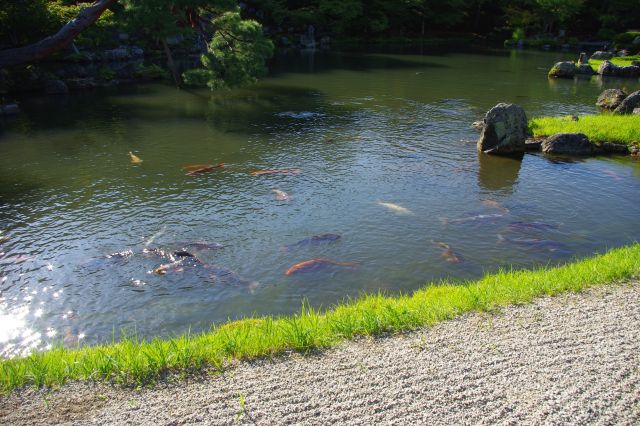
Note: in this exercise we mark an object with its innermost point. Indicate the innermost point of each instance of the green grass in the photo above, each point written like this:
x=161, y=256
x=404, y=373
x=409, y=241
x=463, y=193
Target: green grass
x=132, y=361
x=621, y=61
x=623, y=129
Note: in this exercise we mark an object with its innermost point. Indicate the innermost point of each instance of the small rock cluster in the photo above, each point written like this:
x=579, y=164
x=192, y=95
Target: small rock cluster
x=617, y=101
x=570, y=69
x=505, y=132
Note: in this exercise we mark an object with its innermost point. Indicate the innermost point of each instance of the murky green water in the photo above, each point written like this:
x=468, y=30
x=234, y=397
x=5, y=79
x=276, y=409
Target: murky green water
x=364, y=129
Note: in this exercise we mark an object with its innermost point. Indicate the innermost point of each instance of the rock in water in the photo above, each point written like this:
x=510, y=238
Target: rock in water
x=636, y=111
x=629, y=103
x=568, y=143
x=608, y=69
x=585, y=69
x=564, y=69
x=505, y=130
x=600, y=55
x=610, y=99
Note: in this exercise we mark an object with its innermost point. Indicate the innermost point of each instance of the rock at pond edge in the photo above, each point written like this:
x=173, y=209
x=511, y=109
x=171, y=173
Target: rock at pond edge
x=610, y=99
x=564, y=69
x=629, y=104
x=568, y=143
x=505, y=130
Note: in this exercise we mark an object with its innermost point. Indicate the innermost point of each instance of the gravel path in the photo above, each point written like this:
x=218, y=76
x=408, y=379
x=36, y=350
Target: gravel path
x=572, y=359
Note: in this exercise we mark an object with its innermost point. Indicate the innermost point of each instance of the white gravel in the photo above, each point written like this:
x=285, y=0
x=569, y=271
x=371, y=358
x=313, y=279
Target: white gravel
x=573, y=359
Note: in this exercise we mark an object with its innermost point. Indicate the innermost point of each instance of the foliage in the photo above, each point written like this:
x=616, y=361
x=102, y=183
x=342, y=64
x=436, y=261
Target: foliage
x=624, y=129
x=150, y=72
x=236, y=54
x=134, y=361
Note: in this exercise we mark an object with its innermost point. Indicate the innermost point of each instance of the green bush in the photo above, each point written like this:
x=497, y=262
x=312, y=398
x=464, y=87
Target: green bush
x=625, y=40
x=150, y=72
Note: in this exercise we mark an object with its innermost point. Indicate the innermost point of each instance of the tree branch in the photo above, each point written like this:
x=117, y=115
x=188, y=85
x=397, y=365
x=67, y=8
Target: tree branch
x=60, y=40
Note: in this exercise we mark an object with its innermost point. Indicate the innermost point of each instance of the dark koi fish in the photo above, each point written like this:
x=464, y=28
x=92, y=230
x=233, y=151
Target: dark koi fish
x=196, y=169
x=200, y=245
x=276, y=172
x=535, y=244
x=316, y=239
x=538, y=226
x=224, y=276
x=447, y=252
x=316, y=264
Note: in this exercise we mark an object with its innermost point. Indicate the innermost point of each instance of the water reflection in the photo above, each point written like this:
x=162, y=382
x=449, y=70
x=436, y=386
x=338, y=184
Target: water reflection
x=498, y=173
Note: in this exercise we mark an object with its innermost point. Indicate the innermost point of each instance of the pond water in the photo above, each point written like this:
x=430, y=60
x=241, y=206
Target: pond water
x=388, y=163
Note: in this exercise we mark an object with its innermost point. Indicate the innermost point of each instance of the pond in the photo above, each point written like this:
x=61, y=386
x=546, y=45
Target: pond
x=387, y=162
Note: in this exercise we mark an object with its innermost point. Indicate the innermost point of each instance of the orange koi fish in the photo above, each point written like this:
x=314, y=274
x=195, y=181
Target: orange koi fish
x=315, y=264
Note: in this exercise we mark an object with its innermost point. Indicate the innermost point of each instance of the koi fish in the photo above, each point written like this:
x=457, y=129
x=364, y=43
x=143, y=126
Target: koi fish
x=294, y=171
x=612, y=174
x=280, y=195
x=534, y=243
x=315, y=264
x=447, y=252
x=134, y=158
x=154, y=236
x=539, y=226
x=201, y=245
x=395, y=208
x=163, y=269
x=224, y=276
x=481, y=218
x=495, y=205
x=197, y=169
x=316, y=239
x=120, y=254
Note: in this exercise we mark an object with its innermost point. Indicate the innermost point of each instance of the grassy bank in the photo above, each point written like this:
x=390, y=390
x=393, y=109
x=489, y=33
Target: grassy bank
x=137, y=362
x=622, y=61
x=623, y=129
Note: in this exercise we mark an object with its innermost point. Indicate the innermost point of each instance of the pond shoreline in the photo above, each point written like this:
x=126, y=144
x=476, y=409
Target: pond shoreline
x=133, y=361
x=569, y=359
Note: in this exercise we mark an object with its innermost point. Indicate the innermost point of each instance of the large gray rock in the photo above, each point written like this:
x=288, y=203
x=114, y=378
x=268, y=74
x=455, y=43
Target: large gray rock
x=504, y=131
x=55, y=87
x=600, y=55
x=568, y=144
x=630, y=103
x=608, y=69
x=610, y=99
x=565, y=69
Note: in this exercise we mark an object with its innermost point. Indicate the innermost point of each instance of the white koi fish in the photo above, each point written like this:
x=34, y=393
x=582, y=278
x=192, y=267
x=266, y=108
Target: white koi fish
x=395, y=208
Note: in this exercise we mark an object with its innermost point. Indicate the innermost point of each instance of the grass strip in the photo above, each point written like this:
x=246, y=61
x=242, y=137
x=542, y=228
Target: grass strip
x=623, y=129
x=621, y=61
x=138, y=362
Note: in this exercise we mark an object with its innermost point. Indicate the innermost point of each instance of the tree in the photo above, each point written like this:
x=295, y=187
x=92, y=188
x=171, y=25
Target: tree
x=58, y=41
x=236, y=54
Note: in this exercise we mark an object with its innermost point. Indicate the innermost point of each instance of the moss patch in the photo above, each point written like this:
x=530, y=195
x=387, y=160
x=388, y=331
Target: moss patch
x=623, y=129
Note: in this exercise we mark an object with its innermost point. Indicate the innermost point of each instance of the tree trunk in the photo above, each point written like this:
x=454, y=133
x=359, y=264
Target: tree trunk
x=171, y=64
x=60, y=40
